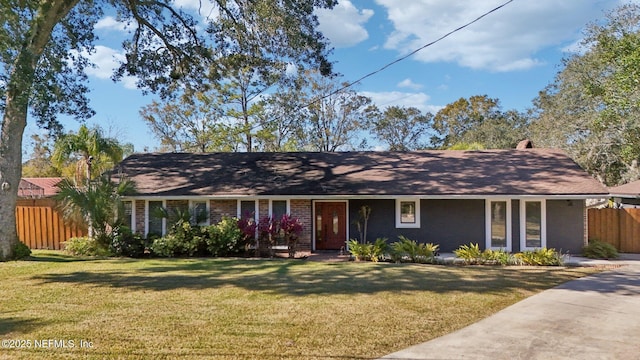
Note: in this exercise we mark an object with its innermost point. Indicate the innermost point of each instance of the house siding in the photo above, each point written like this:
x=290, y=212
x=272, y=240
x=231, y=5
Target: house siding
x=565, y=225
x=438, y=226
x=451, y=223
x=515, y=226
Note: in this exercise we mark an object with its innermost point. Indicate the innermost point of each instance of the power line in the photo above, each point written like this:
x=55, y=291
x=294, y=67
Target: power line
x=350, y=84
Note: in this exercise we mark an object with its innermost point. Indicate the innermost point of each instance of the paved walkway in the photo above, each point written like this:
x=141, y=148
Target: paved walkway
x=595, y=317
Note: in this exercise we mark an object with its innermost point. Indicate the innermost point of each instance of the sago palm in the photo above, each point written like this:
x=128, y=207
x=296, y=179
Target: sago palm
x=98, y=206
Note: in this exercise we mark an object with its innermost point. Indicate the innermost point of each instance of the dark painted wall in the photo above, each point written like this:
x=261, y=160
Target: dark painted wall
x=515, y=226
x=565, y=225
x=451, y=223
x=448, y=223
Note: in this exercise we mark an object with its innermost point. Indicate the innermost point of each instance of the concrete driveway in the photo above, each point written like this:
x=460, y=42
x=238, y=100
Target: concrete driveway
x=595, y=317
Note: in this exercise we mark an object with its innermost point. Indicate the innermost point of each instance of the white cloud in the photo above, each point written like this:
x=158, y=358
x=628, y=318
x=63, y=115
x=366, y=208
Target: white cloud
x=106, y=60
x=417, y=100
x=344, y=24
x=110, y=23
x=505, y=40
x=206, y=9
x=409, y=84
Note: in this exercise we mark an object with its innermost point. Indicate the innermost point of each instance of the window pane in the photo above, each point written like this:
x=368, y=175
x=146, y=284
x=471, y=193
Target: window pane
x=499, y=224
x=318, y=227
x=248, y=209
x=200, y=215
x=155, y=221
x=533, y=211
x=278, y=208
x=128, y=212
x=408, y=212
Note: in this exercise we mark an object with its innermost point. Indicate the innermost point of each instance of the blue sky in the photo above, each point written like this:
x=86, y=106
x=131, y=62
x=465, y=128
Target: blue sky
x=511, y=55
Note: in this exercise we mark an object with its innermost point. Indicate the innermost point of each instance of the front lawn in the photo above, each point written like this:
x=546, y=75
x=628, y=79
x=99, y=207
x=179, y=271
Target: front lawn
x=263, y=309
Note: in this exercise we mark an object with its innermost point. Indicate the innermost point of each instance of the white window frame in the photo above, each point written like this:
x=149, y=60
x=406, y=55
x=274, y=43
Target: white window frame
x=288, y=206
x=147, y=217
x=508, y=224
x=192, y=207
x=399, y=223
x=133, y=214
x=523, y=224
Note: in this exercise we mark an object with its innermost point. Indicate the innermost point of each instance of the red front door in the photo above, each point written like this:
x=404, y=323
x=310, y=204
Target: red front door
x=331, y=225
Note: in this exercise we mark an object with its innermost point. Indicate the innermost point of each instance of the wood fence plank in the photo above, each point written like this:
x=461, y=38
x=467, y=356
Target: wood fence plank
x=42, y=227
x=48, y=218
x=618, y=227
x=632, y=237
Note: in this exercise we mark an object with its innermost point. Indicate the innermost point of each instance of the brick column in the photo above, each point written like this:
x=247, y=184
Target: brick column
x=303, y=211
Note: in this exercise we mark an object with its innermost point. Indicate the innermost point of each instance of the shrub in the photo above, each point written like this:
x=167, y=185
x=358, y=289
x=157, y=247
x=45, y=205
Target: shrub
x=542, y=257
x=368, y=251
x=268, y=232
x=20, y=251
x=471, y=254
x=599, y=250
x=85, y=246
x=410, y=250
x=225, y=238
x=165, y=246
x=291, y=228
x=183, y=239
x=248, y=227
x=498, y=257
x=126, y=243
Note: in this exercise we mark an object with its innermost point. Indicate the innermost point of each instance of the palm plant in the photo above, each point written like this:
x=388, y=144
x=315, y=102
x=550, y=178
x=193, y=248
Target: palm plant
x=93, y=151
x=98, y=206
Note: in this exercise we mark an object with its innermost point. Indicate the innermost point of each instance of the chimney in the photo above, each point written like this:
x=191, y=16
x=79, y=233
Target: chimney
x=524, y=144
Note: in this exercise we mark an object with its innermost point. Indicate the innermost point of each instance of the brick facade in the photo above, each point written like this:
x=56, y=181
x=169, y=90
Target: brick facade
x=302, y=209
x=222, y=208
x=263, y=209
x=139, y=206
x=218, y=209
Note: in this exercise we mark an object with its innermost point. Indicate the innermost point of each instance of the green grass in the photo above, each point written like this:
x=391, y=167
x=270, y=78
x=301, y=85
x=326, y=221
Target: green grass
x=262, y=309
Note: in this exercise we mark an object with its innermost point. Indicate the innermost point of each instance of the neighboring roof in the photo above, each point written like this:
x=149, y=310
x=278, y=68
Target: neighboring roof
x=38, y=187
x=631, y=189
x=431, y=173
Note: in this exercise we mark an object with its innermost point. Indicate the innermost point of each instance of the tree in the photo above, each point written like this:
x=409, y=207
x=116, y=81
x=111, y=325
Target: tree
x=39, y=163
x=190, y=123
x=401, y=128
x=335, y=115
x=481, y=120
x=98, y=205
x=92, y=152
x=42, y=54
x=592, y=109
x=282, y=121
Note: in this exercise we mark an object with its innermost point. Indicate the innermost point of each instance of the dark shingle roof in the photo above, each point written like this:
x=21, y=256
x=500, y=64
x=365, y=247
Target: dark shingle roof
x=631, y=189
x=437, y=173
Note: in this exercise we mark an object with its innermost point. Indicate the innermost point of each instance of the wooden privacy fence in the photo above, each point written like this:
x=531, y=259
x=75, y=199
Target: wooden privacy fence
x=41, y=227
x=618, y=227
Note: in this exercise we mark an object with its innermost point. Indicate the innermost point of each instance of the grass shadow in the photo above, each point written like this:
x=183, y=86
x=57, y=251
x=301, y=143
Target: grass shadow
x=300, y=278
x=10, y=325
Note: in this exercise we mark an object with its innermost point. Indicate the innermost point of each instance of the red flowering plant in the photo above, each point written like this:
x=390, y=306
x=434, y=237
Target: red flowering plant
x=268, y=230
x=248, y=226
x=290, y=228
